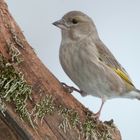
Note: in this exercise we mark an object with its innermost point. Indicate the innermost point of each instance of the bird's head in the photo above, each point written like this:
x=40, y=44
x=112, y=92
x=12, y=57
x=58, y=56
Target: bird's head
x=76, y=25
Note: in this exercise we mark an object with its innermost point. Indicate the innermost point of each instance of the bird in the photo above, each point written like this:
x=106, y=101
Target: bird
x=89, y=63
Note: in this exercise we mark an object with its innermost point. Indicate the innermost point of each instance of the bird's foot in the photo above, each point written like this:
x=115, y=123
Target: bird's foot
x=96, y=116
x=70, y=89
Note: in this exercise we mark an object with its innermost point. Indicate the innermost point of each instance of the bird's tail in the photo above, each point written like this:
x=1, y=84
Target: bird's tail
x=135, y=94
x=137, y=90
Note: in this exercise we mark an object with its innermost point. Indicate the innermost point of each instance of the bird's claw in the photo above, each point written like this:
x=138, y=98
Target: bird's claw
x=96, y=116
x=70, y=89
x=67, y=88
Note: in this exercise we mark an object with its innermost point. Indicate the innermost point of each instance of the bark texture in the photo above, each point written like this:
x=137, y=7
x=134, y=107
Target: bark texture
x=33, y=104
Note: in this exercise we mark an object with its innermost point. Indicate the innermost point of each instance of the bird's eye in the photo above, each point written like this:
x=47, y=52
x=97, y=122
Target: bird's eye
x=74, y=21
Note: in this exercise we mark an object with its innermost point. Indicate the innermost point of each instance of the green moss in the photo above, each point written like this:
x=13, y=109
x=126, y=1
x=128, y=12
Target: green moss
x=15, y=37
x=14, y=89
x=74, y=119
x=93, y=130
x=65, y=124
x=43, y=108
x=70, y=118
x=14, y=53
x=88, y=129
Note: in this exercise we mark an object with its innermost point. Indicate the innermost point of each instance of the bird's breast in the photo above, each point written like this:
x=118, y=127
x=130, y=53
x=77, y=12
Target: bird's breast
x=81, y=65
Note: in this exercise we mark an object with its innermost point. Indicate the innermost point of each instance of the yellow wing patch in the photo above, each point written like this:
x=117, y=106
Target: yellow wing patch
x=123, y=75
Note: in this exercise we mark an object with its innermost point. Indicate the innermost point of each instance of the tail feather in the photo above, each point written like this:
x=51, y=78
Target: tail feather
x=137, y=90
x=135, y=94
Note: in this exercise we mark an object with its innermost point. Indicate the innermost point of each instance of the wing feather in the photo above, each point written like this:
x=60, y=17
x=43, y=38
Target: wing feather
x=106, y=57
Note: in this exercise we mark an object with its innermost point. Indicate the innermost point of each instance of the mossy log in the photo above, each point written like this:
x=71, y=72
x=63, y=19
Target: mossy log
x=33, y=103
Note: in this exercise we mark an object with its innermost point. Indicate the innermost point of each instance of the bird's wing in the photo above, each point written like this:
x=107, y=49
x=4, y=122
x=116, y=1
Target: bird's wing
x=106, y=57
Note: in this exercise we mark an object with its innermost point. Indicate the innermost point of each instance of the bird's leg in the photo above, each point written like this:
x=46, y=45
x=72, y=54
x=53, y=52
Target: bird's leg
x=70, y=89
x=97, y=115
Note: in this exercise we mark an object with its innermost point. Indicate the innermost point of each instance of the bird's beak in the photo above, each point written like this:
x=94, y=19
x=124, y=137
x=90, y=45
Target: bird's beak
x=61, y=24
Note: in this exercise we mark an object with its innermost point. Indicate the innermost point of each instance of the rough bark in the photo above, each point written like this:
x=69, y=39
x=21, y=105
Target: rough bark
x=46, y=111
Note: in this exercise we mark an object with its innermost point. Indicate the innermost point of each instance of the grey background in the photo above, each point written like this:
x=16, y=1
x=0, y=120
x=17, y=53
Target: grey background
x=118, y=26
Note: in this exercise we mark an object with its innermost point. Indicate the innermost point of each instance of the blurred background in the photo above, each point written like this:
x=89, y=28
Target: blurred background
x=118, y=26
